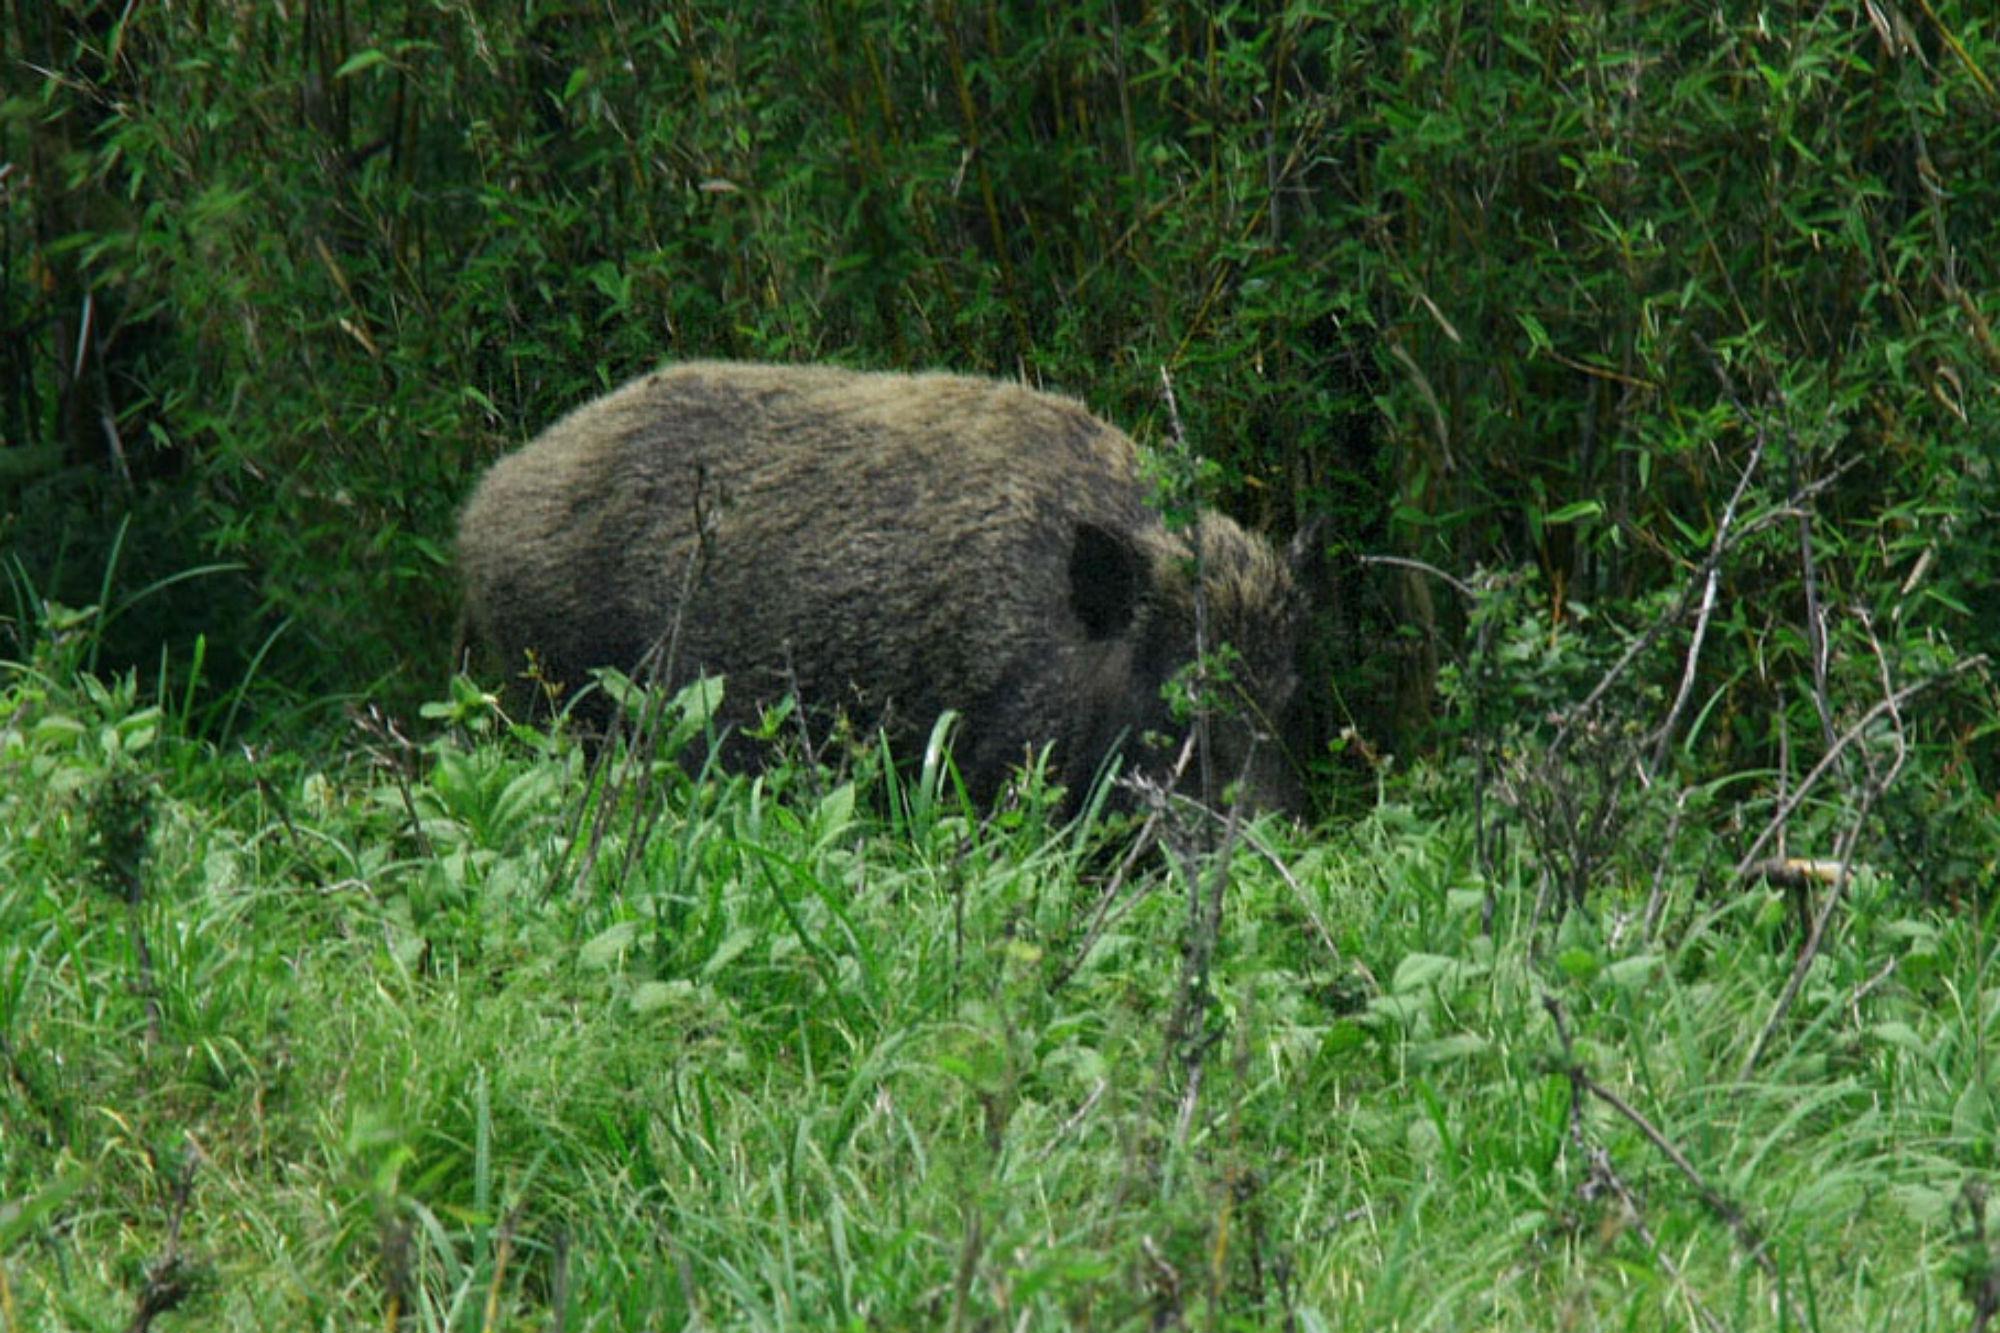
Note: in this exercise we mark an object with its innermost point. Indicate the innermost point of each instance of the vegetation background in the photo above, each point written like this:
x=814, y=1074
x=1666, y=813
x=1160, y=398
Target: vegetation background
x=1642, y=356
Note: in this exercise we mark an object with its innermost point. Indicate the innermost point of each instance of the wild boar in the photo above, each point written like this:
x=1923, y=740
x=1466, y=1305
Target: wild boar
x=888, y=546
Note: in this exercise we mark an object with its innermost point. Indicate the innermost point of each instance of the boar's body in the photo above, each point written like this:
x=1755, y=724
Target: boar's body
x=887, y=545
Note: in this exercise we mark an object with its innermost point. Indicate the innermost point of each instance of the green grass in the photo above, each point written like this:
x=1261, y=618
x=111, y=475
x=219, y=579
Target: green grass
x=369, y=1041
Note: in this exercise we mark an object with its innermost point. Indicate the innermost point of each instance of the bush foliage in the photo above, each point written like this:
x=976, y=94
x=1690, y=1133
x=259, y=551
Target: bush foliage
x=1490, y=288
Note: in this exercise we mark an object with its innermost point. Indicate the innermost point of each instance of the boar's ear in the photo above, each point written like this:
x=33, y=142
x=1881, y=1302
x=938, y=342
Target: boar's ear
x=1304, y=548
x=1106, y=577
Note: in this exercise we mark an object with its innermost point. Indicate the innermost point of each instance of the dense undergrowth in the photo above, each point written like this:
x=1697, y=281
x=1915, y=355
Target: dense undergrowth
x=1534, y=287
x=457, y=1031
x=1638, y=973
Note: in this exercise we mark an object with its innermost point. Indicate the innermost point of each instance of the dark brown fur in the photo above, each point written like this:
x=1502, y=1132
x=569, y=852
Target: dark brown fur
x=892, y=545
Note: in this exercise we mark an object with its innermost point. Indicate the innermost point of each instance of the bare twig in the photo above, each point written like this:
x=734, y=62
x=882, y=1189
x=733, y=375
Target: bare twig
x=808, y=747
x=398, y=755
x=656, y=669
x=1204, y=752
x=1784, y=774
x=1076, y=1119
x=1187, y=1036
x=1466, y=590
x=1195, y=1058
x=1725, y=1210
x=1980, y=1279
x=1892, y=703
x=1259, y=846
x=1748, y=1236
x=276, y=800
x=1727, y=541
x=1868, y=987
x=1674, y=615
x=1656, y=902
x=1102, y=918
x=1603, y=1172
x=970, y=1247
x=170, y=1279
x=1878, y=784
x=1815, y=614
x=1793, y=872
x=1711, y=577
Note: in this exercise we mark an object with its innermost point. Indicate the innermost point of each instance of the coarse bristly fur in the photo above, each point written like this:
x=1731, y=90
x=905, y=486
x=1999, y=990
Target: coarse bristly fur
x=888, y=545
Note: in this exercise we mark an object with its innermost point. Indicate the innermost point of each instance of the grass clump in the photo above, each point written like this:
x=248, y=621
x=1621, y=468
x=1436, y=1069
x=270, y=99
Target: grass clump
x=461, y=1032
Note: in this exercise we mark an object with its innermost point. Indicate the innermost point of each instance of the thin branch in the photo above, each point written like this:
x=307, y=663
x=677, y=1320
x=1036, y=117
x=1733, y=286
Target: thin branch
x=1277, y=863
x=1815, y=627
x=1711, y=577
x=171, y=1278
x=1869, y=987
x=1464, y=589
x=1656, y=902
x=1603, y=1174
x=1821, y=919
x=1847, y=738
x=1747, y=1234
x=1725, y=1210
x=1149, y=832
x=1814, y=936
x=1103, y=918
x=1074, y=1122
x=1673, y=617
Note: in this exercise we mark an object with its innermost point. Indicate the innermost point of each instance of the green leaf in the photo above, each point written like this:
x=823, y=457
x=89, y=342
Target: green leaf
x=1578, y=963
x=1465, y=902
x=24, y=1219
x=652, y=996
x=1972, y=1114
x=1925, y=1205
x=608, y=949
x=1447, y=1049
x=359, y=61
x=1402, y=1010
x=1900, y=1035
x=1343, y=1036
x=1538, y=337
x=835, y=814
x=733, y=944
x=1571, y=513
x=1430, y=971
x=1634, y=972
